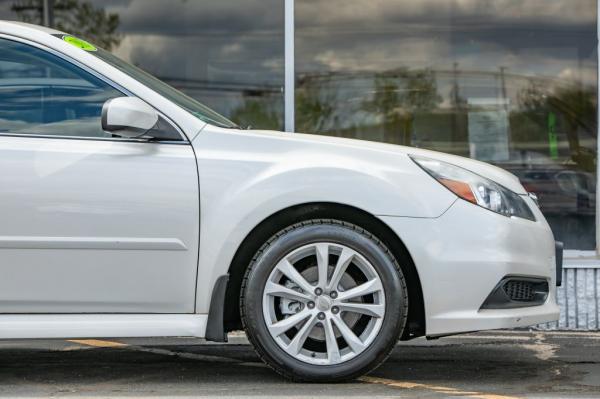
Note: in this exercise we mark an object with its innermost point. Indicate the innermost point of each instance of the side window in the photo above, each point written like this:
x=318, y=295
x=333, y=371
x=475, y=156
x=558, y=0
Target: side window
x=43, y=94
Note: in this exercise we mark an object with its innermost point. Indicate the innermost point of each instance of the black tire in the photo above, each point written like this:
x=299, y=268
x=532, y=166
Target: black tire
x=308, y=232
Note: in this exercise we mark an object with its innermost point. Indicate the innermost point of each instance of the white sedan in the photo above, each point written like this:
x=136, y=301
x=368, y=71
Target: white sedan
x=128, y=209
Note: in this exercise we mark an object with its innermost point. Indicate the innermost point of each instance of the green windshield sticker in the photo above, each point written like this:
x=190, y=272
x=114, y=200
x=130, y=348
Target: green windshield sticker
x=82, y=44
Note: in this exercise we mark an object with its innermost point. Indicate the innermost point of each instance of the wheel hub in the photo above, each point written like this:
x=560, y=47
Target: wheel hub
x=324, y=303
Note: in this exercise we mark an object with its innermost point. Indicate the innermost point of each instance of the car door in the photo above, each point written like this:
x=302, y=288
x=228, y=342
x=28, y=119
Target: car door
x=89, y=222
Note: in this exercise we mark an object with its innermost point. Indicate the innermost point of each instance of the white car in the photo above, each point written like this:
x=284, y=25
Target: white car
x=128, y=209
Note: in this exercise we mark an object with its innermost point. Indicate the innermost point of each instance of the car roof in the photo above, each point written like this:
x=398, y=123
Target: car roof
x=7, y=25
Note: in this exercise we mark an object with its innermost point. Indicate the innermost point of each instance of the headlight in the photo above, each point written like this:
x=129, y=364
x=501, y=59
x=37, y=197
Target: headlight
x=476, y=189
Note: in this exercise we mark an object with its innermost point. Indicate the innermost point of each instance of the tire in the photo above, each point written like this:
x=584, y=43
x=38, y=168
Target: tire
x=304, y=335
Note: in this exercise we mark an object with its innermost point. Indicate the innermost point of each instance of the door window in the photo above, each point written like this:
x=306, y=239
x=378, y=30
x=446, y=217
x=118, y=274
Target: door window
x=42, y=94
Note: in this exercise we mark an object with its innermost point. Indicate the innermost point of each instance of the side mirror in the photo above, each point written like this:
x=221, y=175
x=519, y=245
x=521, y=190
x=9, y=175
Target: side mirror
x=128, y=117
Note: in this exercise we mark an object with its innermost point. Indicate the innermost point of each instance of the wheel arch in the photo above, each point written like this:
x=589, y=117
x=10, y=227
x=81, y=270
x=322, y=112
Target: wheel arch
x=294, y=214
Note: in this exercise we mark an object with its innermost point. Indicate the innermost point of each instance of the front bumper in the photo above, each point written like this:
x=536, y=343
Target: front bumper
x=462, y=255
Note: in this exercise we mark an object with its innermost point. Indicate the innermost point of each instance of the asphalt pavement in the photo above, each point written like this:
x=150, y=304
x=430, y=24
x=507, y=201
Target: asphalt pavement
x=490, y=365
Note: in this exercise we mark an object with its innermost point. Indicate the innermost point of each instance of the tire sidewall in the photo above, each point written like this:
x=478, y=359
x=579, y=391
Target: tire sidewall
x=385, y=266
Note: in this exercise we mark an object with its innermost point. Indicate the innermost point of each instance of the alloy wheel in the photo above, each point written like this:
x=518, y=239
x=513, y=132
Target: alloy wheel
x=323, y=303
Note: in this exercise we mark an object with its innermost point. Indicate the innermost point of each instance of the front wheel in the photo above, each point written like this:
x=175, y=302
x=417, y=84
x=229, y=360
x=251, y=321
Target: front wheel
x=324, y=300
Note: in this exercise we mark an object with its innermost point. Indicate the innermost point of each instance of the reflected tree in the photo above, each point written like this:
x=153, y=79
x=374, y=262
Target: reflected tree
x=398, y=95
x=77, y=17
x=254, y=113
x=387, y=104
x=575, y=110
x=327, y=102
x=529, y=122
x=578, y=108
x=315, y=103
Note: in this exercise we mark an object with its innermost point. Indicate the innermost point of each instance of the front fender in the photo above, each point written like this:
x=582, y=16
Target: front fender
x=244, y=179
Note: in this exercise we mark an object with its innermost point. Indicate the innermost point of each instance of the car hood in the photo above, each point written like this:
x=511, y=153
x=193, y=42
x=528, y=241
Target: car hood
x=486, y=170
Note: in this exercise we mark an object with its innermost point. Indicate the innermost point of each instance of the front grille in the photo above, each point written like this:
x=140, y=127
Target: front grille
x=519, y=290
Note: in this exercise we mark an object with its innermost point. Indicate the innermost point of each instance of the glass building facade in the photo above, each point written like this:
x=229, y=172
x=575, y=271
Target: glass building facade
x=511, y=82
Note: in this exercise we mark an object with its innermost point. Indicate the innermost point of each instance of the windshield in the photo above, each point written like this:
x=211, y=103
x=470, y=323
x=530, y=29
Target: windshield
x=200, y=111
x=197, y=109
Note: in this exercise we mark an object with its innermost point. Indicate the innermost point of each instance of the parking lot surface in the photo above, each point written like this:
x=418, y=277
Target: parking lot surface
x=491, y=365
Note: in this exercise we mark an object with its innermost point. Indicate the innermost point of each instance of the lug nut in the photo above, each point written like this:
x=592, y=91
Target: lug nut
x=310, y=305
x=321, y=316
x=333, y=294
x=335, y=310
x=318, y=291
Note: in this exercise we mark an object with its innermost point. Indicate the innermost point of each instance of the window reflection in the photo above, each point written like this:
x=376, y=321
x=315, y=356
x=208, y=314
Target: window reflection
x=508, y=82
x=226, y=54
x=41, y=94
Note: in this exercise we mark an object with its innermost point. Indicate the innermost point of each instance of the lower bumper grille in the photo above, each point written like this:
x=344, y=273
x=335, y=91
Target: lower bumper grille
x=517, y=292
